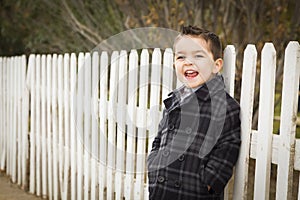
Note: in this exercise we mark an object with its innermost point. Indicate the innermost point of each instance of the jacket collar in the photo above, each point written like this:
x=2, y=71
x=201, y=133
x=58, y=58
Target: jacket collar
x=204, y=93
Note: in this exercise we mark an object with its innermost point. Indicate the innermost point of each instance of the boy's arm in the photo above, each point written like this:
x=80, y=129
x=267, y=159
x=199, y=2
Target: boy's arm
x=224, y=155
x=156, y=141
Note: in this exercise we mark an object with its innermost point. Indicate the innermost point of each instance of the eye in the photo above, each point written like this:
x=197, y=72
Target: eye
x=180, y=57
x=199, y=56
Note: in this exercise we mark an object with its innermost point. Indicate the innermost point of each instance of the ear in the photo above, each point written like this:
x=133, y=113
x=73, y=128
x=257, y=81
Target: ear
x=218, y=65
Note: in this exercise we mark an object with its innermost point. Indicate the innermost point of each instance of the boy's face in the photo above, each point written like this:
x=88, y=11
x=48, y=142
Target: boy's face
x=194, y=61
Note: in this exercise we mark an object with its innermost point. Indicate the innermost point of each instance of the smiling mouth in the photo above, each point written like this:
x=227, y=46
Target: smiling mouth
x=190, y=73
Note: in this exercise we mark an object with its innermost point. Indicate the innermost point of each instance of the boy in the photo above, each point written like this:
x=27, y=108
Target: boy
x=198, y=139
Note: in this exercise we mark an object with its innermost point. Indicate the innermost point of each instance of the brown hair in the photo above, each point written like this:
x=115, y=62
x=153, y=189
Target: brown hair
x=211, y=38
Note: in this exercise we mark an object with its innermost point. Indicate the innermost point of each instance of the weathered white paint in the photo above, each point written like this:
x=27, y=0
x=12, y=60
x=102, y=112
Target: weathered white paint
x=286, y=147
x=79, y=124
x=66, y=132
x=103, y=123
x=25, y=116
x=87, y=123
x=130, y=114
x=60, y=118
x=121, y=114
x=265, y=122
x=49, y=127
x=246, y=104
x=2, y=108
x=111, y=114
x=94, y=123
x=229, y=69
x=73, y=134
x=38, y=124
x=31, y=77
x=43, y=127
x=154, y=117
x=229, y=78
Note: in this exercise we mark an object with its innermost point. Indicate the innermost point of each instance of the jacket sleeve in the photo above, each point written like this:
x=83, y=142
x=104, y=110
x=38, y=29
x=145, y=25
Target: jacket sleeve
x=156, y=141
x=219, y=168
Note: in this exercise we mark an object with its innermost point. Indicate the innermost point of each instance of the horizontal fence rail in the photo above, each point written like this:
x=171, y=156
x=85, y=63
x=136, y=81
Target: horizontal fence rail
x=81, y=126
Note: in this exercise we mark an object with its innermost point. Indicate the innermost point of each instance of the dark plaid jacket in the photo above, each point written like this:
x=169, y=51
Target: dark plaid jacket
x=197, y=144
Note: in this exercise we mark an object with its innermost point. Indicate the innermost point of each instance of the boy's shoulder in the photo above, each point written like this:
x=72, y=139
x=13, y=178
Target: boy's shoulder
x=232, y=103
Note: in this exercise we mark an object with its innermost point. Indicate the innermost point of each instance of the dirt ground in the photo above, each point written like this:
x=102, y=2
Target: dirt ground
x=10, y=191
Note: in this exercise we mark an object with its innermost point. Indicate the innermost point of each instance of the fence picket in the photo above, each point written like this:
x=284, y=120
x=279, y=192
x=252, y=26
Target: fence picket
x=25, y=116
x=38, y=124
x=154, y=95
x=14, y=121
x=8, y=116
x=229, y=69
x=111, y=159
x=19, y=122
x=142, y=130
x=131, y=128
x=167, y=81
x=2, y=108
x=44, y=126
x=122, y=98
x=246, y=103
x=287, y=121
x=103, y=123
x=265, y=122
x=229, y=77
x=154, y=99
x=94, y=120
x=31, y=77
x=79, y=124
x=60, y=118
x=66, y=139
x=56, y=65
x=4, y=112
x=49, y=126
x=87, y=123
x=73, y=134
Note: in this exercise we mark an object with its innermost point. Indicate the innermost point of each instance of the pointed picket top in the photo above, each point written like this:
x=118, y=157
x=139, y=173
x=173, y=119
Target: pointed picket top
x=155, y=74
x=122, y=77
x=167, y=80
x=94, y=87
x=168, y=57
x=156, y=57
x=113, y=86
x=103, y=69
x=103, y=76
x=268, y=54
x=144, y=55
x=30, y=71
x=132, y=78
x=229, y=68
x=290, y=75
x=144, y=78
x=73, y=64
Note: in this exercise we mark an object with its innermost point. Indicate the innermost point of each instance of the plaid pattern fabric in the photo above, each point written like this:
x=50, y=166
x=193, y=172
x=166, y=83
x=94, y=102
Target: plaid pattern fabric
x=197, y=144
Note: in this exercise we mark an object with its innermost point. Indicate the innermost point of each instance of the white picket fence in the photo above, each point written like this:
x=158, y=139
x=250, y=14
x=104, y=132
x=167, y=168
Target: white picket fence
x=81, y=127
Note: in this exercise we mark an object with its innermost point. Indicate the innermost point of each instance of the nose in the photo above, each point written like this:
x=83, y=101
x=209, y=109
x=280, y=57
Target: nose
x=188, y=61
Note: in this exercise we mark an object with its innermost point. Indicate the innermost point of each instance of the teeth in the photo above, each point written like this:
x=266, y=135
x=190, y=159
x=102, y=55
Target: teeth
x=189, y=71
